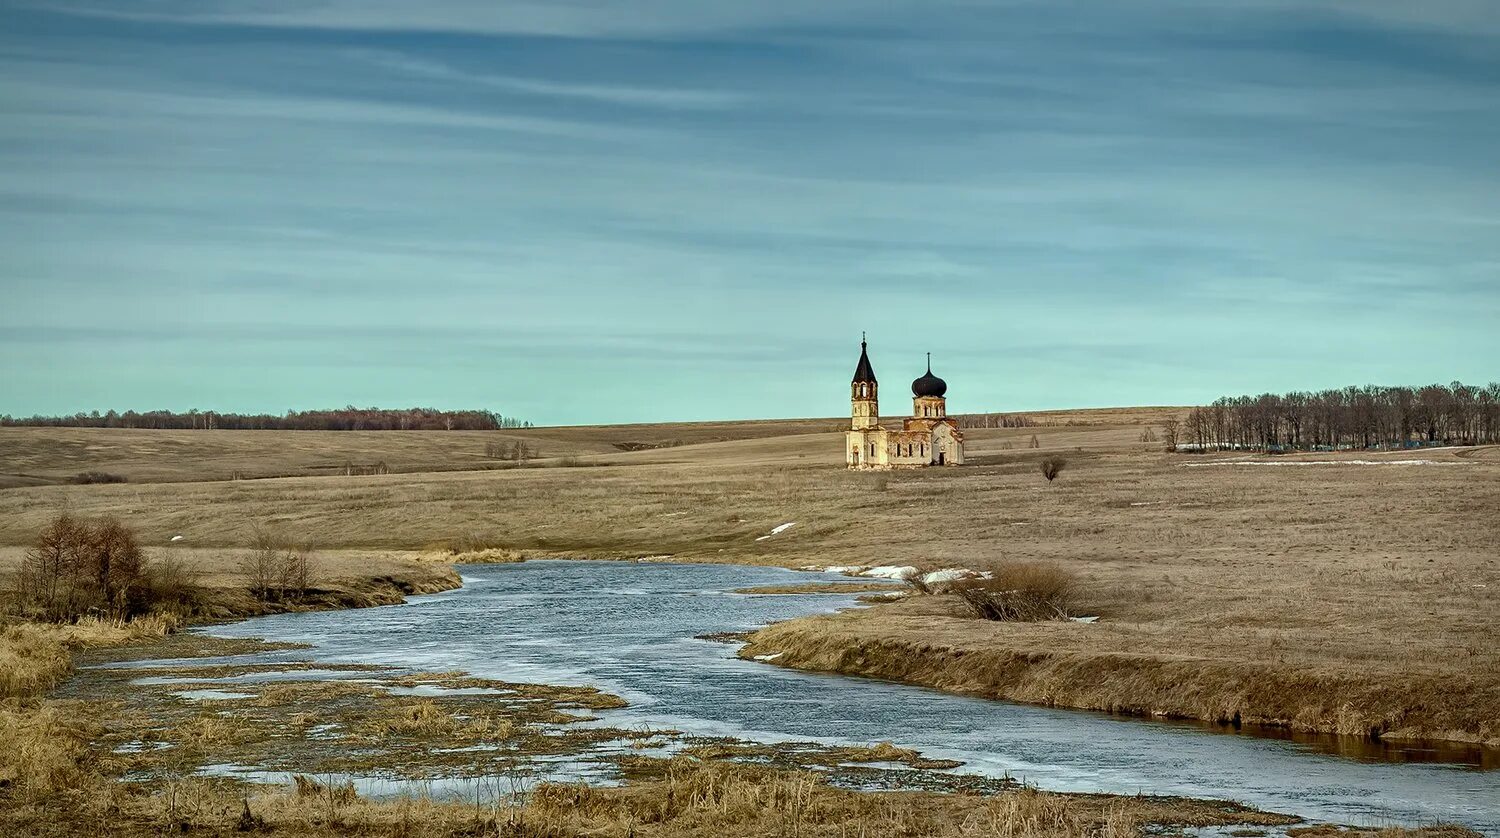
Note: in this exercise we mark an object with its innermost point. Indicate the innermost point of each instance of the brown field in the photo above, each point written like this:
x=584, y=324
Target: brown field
x=1346, y=598
x=46, y=456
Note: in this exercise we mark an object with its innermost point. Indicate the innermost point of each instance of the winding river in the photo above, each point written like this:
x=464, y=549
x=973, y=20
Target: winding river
x=629, y=628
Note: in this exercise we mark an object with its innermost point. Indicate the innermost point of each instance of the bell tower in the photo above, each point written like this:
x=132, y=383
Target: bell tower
x=864, y=391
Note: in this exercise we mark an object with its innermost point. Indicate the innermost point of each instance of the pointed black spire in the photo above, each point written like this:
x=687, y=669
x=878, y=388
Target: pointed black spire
x=863, y=373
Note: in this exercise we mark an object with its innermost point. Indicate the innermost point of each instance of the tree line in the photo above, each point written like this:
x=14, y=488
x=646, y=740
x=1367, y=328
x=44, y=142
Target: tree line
x=992, y=420
x=1353, y=417
x=349, y=418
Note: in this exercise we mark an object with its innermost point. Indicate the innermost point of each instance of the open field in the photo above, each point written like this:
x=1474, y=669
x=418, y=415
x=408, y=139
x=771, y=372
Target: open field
x=44, y=456
x=1354, y=598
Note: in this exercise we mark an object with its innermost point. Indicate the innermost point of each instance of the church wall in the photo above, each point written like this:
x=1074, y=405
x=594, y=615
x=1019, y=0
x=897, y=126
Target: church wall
x=950, y=442
x=929, y=407
x=866, y=448
x=917, y=443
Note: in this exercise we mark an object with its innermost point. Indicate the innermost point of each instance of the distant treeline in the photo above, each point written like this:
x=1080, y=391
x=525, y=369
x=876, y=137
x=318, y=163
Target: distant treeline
x=1354, y=417
x=346, y=419
x=992, y=420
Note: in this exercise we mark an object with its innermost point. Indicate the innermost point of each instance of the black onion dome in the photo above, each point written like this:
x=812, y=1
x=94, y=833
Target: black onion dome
x=864, y=373
x=929, y=384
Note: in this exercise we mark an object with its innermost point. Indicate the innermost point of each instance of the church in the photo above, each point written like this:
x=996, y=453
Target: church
x=928, y=438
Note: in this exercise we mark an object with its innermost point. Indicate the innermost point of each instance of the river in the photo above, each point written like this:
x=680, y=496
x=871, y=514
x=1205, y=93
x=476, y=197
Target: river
x=629, y=628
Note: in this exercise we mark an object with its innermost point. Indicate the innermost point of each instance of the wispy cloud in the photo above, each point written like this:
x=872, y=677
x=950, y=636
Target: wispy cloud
x=1132, y=200
x=638, y=95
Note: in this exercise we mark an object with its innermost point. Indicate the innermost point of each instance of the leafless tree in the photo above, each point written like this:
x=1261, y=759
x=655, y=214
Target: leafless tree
x=1350, y=418
x=276, y=570
x=263, y=565
x=1170, y=428
x=49, y=568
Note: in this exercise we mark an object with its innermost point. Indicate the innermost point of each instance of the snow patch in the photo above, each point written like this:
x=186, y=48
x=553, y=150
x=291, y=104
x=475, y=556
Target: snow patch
x=844, y=568
x=1147, y=502
x=953, y=574
x=778, y=530
x=212, y=695
x=1084, y=619
x=175, y=538
x=769, y=657
x=891, y=572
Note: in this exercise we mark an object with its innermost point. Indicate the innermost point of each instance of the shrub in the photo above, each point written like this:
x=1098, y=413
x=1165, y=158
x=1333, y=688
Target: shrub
x=1021, y=592
x=275, y=570
x=86, y=477
x=1052, y=467
x=32, y=661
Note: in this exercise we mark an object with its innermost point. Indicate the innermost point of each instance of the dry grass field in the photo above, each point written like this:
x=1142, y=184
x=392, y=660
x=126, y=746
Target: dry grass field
x=46, y=456
x=1354, y=597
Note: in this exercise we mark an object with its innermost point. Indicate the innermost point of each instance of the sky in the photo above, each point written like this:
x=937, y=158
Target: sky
x=670, y=210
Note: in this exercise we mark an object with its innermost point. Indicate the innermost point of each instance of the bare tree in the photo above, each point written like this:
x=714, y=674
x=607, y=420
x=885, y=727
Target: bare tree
x=262, y=565
x=117, y=565
x=49, y=568
x=1051, y=467
x=275, y=570
x=296, y=572
x=1170, y=428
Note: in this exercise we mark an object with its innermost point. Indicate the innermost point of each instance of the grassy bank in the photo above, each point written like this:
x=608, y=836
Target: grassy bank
x=932, y=644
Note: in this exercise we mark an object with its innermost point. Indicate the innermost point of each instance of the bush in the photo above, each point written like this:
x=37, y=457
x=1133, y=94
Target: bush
x=87, y=477
x=1024, y=592
x=1052, y=467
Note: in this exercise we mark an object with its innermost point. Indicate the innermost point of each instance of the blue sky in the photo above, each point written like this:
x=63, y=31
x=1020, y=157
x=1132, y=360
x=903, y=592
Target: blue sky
x=582, y=212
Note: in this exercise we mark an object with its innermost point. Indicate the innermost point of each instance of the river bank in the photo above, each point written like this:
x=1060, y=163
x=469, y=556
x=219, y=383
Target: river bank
x=931, y=642
x=152, y=734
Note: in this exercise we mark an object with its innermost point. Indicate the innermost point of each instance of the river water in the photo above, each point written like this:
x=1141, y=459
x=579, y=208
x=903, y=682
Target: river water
x=629, y=628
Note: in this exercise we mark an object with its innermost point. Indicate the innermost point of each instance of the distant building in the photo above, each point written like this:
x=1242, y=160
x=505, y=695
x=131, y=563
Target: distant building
x=928, y=438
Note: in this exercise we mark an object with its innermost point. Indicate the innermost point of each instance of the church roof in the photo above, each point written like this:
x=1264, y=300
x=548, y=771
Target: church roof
x=929, y=384
x=864, y=373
